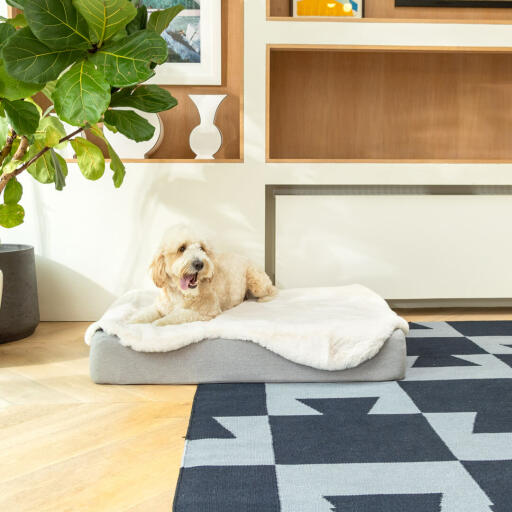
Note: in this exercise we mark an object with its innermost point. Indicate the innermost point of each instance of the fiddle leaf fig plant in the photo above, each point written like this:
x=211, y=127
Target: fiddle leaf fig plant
x=90, y=58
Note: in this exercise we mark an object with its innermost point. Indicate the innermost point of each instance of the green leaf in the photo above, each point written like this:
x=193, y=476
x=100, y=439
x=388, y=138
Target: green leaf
x=50, y=131
x=119, y=35
x=18, y=4
x=22, y=115
x=115, y=162
x=128, y=62
x=4, y=131
x=113, y=129
x=11, y=215
x=28, y=59
x=139, y=22
x=90, y=158
x=159, y=20
x=148, y=98
x=19, y=21
x=49, y=89
x=57, y=23
x=6, y=31
x=61, y=170
x=9, y=164
x=117, y=166
x=42, y=169
x=130, y=124
x=81, y=95
x=31, y=101
x=13, y=89
x=13, y=192
x=105, y=17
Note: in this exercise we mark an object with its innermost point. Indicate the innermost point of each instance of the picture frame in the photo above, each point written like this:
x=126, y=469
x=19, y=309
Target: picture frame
x=195, y=37
x=328, y=8
x=455, y=3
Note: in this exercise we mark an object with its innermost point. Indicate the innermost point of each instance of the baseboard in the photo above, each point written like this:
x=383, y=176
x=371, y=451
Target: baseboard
x=449, y=303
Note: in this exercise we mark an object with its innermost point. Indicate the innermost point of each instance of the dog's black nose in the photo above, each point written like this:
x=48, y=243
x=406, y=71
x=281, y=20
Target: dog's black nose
x=198, y=265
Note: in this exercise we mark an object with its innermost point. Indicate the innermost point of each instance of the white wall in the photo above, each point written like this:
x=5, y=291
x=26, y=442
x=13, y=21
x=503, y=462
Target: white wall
x=94, y=242
x=404, y=247
x=3, y=8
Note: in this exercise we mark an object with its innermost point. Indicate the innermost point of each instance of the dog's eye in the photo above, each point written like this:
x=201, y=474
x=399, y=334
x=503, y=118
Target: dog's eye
x=203, y=248
x=182, y=248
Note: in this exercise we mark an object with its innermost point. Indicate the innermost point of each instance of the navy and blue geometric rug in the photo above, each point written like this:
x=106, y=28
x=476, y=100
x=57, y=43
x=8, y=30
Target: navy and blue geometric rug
x=438, y=441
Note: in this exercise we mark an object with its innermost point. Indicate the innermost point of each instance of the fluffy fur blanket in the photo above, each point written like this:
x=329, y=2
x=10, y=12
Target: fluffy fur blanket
x=326, y=328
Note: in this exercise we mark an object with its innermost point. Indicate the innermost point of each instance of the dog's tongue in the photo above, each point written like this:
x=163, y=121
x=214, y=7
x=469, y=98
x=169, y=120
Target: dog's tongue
x=185, y=281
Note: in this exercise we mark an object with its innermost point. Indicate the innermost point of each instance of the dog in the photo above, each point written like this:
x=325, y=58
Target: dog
x=197, y=283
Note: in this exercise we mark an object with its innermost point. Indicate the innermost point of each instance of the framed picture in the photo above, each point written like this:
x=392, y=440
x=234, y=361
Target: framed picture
x=336, y=8
x=194, y=39
x=453, y=3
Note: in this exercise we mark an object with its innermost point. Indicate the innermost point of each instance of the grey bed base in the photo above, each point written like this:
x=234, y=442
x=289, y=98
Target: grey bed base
x=222, y=360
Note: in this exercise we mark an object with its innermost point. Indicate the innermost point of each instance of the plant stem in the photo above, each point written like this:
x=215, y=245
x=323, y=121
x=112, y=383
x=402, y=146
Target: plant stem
x=22, y=149
x=8, y=146
x=7, y=177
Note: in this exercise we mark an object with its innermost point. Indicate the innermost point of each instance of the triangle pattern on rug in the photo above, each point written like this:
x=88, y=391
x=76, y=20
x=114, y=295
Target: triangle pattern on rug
x=414, y=326
x=441, y=362
x=386, y=503
x=208, y=428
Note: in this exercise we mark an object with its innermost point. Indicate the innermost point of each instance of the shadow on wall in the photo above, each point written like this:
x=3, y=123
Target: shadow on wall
x=58, y=284
x=103, y=244
x=219, y=210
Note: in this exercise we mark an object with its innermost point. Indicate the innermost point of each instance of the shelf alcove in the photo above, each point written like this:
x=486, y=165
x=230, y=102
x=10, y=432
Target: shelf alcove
x=363, y=103
x=179, y=122
x=385, y=10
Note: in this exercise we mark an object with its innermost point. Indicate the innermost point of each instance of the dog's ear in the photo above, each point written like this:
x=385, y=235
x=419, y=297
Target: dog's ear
x=208, y=248
x=158, y=272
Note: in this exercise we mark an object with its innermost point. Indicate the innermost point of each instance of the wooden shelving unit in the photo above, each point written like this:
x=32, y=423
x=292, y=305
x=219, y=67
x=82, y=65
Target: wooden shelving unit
x=385, y=11
x=179, y=122
x=389, y=104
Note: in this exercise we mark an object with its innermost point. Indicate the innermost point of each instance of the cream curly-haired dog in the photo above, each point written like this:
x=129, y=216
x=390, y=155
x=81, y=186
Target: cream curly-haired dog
x=198, y=283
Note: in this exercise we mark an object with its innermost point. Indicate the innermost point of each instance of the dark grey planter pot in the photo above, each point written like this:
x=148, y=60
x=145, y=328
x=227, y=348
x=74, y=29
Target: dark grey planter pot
x=19, y=309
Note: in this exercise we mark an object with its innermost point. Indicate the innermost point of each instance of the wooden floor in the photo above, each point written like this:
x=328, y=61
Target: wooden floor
x=67, y=444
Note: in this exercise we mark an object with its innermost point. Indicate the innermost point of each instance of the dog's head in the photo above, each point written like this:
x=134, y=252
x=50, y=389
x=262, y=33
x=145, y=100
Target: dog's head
x=183, y=262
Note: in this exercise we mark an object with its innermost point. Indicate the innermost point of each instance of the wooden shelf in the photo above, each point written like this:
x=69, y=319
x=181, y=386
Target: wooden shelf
x=382, y=161
x=171, y=161
x=384, y=11
x=389, y=104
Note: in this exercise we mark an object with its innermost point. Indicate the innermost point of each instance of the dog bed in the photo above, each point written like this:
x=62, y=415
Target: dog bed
x=303, y=335
x=221, y=360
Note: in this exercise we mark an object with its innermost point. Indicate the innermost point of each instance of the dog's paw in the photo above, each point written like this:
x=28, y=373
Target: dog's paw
x=272, y=294
x=144, y=316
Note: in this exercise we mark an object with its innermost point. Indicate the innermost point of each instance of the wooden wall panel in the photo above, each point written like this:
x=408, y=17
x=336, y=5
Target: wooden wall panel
x=374, y=105
x=12, y=11
x=387, y=9
x=279, y=7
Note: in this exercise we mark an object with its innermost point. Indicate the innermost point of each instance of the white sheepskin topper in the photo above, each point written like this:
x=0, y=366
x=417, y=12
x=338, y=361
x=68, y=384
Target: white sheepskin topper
x=325, y=328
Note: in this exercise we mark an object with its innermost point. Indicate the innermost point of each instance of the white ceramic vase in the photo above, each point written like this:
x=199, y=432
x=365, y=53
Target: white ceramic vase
x=205, y=138
x=127, y=148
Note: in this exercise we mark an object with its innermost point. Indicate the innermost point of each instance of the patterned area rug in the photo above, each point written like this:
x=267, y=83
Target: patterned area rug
x=439, y=441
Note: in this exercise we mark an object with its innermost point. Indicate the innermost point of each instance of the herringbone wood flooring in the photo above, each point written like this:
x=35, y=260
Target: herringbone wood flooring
x=67, y=444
